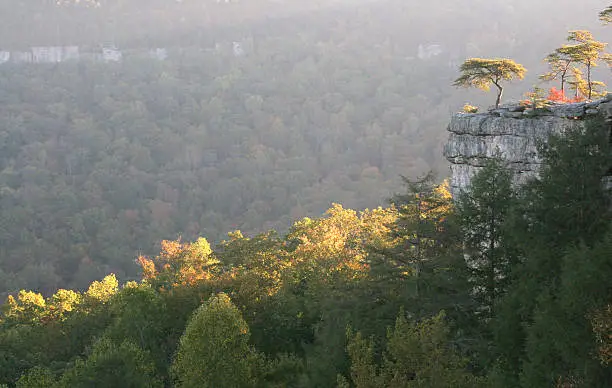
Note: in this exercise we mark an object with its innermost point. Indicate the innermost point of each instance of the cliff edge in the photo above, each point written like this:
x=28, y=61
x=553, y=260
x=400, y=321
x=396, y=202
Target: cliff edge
x=511, y=132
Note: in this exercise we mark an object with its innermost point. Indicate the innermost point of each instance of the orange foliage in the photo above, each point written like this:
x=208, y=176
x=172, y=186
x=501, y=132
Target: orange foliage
x=148, y=268
x=179, y=263
x=554, y=95
x=170, y=248
x=557, y=95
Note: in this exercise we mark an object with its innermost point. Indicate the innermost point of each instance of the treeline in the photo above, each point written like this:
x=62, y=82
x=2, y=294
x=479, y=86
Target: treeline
x=381, y=298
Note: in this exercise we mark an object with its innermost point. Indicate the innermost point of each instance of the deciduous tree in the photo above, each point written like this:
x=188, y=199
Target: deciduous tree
x=37, y=377
x=214, y=351
x=102, y=291
x=601, y=320
x=112, y=365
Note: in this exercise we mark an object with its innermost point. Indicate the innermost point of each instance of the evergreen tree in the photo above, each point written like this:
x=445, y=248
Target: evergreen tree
x=424, y=270
x=584, y=49
x=483, y=212
x=424, y=230
x=561, y=346
x=482, y=73
x=417, y=355
x=578, y=83
x=560, y=64
x=565, y=206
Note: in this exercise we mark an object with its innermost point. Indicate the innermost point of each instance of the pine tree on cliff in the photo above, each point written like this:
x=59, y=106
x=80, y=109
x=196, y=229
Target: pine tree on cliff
x=584, y=49
x=482, y=73
x=560, y=64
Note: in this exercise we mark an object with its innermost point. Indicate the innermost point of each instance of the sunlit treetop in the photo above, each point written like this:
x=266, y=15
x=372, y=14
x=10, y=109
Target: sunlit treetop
x=585, y=50
x=103, y=290
x=481, y=73
x=179, y=263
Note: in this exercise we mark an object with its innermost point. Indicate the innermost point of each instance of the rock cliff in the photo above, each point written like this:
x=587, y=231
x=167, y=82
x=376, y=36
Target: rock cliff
x=511, y=132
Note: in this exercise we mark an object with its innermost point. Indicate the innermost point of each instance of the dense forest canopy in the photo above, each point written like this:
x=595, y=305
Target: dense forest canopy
x=381, y=298
x=101, y=161
x=128, y=171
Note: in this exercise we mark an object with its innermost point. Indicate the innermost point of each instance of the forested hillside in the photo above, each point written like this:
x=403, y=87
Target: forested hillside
x=140, y=171
x=101, y=161
x=381, y=298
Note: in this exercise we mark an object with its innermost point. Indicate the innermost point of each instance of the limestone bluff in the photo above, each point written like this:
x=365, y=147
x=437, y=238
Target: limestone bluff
x=511, y=132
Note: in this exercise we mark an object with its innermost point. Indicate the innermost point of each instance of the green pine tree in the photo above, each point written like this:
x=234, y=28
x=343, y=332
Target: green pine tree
x=483, y=211
x=567, y=205
x=561, y=345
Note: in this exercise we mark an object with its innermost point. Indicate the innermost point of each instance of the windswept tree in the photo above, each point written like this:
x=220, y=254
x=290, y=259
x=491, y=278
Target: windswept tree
x=578, y=84
x=482, y=73
x=560, y=64
x=584, y=49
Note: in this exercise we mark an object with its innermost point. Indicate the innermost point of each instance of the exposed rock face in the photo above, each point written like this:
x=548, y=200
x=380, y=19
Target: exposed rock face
x=512, y=133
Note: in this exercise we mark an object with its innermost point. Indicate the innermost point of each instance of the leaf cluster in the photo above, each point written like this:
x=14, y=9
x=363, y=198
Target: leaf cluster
x=481, y=73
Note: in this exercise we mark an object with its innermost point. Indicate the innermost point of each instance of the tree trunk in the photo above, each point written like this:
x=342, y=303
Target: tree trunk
x=589, y=79
x=563, y=75
x=499, y=94
x=492, y=259
x=418, y=246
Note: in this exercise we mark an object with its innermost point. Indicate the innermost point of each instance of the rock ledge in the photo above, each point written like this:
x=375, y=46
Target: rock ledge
x=511, y=132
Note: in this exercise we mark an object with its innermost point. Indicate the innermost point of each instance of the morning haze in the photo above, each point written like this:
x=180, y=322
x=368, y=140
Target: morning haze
x=136, y=134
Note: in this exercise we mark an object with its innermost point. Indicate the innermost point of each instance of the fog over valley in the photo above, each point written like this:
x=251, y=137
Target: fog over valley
x=254, y=193
x=196, y=118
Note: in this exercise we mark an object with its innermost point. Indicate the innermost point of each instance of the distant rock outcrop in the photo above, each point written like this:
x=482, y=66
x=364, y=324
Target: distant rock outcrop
x=511, y=132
